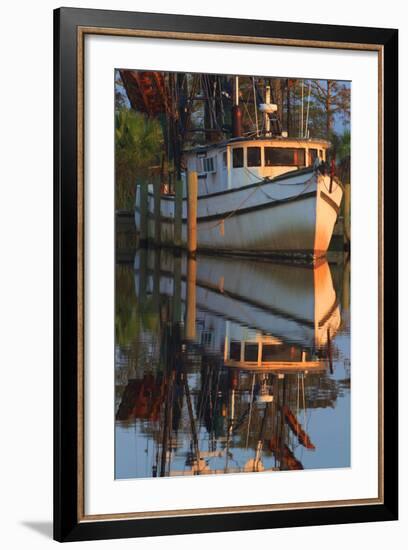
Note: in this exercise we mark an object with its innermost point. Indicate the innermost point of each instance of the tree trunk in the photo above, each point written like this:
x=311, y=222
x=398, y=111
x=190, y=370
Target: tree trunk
x=287, y=107
x=328, y=110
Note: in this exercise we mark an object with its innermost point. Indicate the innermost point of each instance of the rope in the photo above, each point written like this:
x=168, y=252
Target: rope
x=258, y=187
x=308, y=183
x=304, y=399
x=272, y=179
x=328, y=189
x=230, y=214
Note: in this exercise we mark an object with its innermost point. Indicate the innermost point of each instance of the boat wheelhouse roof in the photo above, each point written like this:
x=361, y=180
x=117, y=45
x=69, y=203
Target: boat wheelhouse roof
x=251, y=140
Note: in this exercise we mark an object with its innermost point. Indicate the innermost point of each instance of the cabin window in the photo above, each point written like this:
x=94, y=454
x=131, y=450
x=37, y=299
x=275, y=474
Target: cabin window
x=313, y=153
x=235, y=351
x=251, y=353
x=206, y=338
x=208, y=164
x=238, y=157
x=284, y=156
x=253, y=156
x=224, y=159
x=272, y=352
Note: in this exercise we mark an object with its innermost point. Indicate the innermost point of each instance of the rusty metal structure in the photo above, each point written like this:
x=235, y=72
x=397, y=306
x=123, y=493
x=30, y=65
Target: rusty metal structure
x=147, y=91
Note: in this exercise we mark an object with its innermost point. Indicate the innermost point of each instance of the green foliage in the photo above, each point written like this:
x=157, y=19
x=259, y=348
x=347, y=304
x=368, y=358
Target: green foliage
x=138, y=146
x=131, y=316
x=329, y=106
x=330, y=99
x=341, y=145
x=340, y=150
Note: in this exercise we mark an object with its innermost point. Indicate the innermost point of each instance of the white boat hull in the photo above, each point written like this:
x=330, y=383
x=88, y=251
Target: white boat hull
x=291, y=215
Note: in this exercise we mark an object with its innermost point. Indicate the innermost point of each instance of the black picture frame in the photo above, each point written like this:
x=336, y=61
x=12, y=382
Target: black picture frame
x=67, y=525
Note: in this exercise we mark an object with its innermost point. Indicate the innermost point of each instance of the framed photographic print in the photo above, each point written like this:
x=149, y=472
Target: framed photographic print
x=225, y=274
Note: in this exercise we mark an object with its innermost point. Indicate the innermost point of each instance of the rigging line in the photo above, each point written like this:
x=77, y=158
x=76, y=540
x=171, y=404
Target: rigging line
x=230, y=214
x=271, y=180
x=218, y=99
x=233, y=212
x=214, y=103
x=250, y=410
x=304, y=398
x=205, y=391
x=241, y=308
x=307, y=182
x=327, y=188
x=255, y=106
x=249, y=114
x=308, y=110
x=297, y=397
x=209, y=101
x=301, y=112
x=247, y=110
x=192, y=423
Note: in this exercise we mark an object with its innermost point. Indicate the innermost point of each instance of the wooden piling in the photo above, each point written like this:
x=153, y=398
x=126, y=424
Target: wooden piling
x=346, y=234
x=192, y=421
x=345, y=302
x=156, y=281
x=177, y=289
x=143, y=233
x=329, y=351
x=178, y=213
x=192, y=213
x=157, y=220
x=190, y=330
x=142, y=276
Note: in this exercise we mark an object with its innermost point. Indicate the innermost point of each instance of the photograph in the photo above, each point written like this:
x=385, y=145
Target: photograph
x=201, y=282
x=232, y=273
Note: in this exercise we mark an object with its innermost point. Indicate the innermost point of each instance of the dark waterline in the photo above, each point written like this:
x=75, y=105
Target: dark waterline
x=229, y=365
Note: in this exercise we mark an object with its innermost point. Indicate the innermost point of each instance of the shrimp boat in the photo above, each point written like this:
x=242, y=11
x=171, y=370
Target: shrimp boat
x=265, y=195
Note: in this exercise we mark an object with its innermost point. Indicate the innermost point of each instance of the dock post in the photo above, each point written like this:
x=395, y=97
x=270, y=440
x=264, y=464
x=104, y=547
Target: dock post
x=346, y=230
x=157, y=221
x=143, y=233
x=190, y=331
x=329, y=351
x=177, y=289
x=142, y=276
x=192, y=213
x=156, y=280
x=345, y=299
x=178, y=212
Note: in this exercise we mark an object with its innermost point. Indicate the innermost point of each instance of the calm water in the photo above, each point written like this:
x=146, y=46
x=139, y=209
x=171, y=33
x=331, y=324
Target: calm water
x=229, y=365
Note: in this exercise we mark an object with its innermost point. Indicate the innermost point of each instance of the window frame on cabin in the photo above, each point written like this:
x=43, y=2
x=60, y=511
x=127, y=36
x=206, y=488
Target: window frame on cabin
x=310, y=158
x=285, y=163
x=235, y=152
x=251, y=351
x=207, y=165
x=259, y=148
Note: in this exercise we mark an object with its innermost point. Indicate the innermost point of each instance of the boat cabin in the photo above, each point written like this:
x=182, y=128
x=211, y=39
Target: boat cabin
x=239, y=162
x=252, y=350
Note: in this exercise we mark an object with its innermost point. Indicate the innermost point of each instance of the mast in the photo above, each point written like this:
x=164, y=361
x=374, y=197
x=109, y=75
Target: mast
x=236, y=112
x=255, y=107
x=301, y=135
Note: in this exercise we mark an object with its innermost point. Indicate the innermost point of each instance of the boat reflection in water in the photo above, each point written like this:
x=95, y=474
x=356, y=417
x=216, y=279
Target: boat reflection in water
x=229, y=365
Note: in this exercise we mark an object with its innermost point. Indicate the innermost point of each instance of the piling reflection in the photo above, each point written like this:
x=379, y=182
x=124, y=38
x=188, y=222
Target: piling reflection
x=229, y=365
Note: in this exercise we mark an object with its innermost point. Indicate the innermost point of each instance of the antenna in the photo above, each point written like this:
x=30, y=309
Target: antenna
x=255, y=106
x=236, y=111
x=306, y=134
